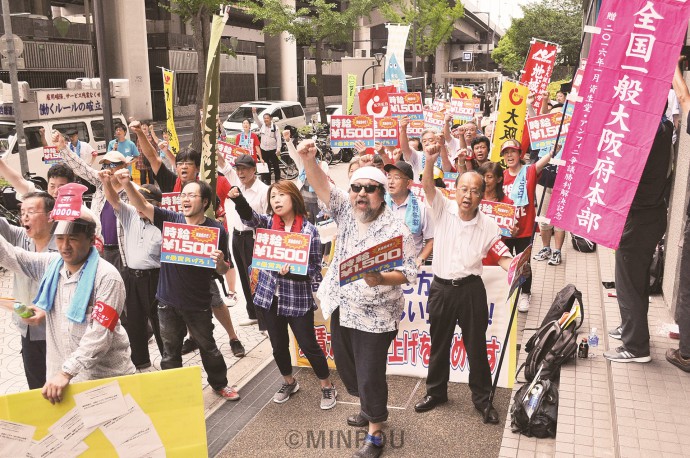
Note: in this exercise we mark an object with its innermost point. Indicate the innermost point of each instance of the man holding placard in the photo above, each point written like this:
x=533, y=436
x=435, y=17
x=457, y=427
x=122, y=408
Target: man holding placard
x=184, y=299
x=364, y=315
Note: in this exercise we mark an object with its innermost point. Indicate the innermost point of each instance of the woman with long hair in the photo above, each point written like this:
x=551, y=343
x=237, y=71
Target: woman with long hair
x=285, y=297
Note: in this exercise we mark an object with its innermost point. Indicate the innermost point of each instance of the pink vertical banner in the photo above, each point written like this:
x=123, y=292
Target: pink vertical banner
x=624, y=87
x=538, y=68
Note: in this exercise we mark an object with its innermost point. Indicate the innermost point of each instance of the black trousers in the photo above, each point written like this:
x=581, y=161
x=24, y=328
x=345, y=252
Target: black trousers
x=303, y=329
x=271, y=159
x=34, y=358
x=465, y=305
x=174, y=324
x=642, y=231
x=361, y=359
x=517, y=246
x=141, y=307
x=242, y=248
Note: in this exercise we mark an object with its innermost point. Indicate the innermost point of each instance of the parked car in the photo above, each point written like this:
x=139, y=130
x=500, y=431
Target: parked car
x=283, y=113
x=330, y=111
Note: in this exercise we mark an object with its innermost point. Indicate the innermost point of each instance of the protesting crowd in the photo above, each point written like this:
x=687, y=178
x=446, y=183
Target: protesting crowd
x=100, y=284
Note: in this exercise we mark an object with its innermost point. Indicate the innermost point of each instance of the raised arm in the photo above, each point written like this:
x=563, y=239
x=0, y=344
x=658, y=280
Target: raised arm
x=315, y=175
x=15, y=178
x=543, y=162
x=404, y=139
x=135, y=198
x=447, y=121
x=431, y=152
x=147, y=148
x=106, y=177
x=259, y=122
x=77, y=164
x=681, y=88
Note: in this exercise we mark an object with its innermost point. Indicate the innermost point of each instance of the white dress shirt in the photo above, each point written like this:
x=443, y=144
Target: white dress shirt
x=256, y=195
x=460, y=246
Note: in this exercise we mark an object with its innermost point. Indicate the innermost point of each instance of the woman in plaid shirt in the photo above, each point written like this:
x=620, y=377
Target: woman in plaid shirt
x=286, y=298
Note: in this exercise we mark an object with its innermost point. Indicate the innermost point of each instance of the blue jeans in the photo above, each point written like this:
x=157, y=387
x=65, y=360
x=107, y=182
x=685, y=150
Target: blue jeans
x=174, y=323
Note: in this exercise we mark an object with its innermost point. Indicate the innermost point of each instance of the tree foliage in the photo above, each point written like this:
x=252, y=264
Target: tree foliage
x=557, y=21
x=198, y=13
x=434, y=21
x=317, y=23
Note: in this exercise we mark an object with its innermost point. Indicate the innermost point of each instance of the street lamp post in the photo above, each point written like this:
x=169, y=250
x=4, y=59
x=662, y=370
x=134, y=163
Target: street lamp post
x=379, y=57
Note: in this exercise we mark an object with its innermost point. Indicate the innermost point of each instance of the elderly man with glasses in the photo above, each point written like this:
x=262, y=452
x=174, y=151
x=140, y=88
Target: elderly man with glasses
x=364, y=314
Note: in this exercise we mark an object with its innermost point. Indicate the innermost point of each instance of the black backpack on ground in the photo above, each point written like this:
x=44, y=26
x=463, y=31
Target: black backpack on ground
x=583, y=245
x=552, y=345
x=543, y=420
x=656, y=270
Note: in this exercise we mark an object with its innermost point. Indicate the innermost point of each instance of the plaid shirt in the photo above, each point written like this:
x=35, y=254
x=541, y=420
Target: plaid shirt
x=88, y=173
x=295, y=296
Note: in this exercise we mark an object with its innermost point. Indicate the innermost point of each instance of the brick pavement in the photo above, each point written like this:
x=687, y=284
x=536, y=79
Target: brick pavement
x=607, y=410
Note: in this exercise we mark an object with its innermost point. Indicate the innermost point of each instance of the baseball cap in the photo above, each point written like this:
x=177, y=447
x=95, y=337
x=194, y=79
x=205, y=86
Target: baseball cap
x=245, y=160
x=115, y=156
x=151, y=192
x=369, y=173
x=510, y=144
x=402, y=166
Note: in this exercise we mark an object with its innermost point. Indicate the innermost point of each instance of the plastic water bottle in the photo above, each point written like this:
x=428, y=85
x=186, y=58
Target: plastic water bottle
x=22, y=310
x=533, y=400
x=593, y=338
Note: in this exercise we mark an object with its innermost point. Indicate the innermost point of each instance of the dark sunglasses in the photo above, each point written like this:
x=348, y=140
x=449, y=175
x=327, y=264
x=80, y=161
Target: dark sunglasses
x=368, y=188
x=112, y=165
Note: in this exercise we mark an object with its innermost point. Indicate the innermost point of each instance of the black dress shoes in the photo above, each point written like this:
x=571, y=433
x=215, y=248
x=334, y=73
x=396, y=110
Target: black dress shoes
x=428, y=403
x=369, y=450
x=491, y=417
x=357, y=420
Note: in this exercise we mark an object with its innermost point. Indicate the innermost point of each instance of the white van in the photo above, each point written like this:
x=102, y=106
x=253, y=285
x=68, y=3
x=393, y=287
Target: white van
x=91, y=130
x=283, y=114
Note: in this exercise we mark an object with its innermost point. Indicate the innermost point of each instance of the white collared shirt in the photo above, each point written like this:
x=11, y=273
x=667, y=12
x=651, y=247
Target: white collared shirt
x=460, y=246
x=256, y=195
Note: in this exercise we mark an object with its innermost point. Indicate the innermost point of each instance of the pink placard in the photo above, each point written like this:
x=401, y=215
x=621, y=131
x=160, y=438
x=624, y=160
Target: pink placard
x=624, y=88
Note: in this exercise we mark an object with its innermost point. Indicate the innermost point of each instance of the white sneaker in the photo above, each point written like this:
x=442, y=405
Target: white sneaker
x=523, y=302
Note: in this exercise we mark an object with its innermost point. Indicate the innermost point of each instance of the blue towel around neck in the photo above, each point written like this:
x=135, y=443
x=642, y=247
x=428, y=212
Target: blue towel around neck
x=519, y=191
x=413, y=217
x=76, y=311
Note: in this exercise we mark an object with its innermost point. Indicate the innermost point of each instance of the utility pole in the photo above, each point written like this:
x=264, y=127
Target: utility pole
x=414, y=43
x=102, y=69
x=14, y=81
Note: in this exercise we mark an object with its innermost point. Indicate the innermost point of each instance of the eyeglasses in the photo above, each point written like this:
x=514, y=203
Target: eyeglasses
x=30, y=213
x=368, y=188
x=184, y=195
x=465, y=191
x=397, y=178
x=112, y=165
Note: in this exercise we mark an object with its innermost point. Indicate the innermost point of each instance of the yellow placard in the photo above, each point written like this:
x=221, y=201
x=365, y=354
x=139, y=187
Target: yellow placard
x=168, y=80
x=351, y=87
x=512, y=111
x=172, y=399
x=460, y=92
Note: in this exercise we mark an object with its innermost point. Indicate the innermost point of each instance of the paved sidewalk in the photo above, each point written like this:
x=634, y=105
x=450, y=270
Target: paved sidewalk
x=605, y=409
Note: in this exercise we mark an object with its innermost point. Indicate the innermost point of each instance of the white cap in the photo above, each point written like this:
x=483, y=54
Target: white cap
x=371, y=173
x=115, y=156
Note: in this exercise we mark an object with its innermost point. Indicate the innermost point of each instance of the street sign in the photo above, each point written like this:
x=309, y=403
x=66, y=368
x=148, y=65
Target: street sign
x=467, y=56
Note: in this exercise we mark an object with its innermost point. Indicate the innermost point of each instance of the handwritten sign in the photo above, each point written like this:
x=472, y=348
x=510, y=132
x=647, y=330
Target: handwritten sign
x=189, y=245
x=274, y=249
x=406, y=104
x=230, y=152
x=502, y=213
x=51, y=155
x=383, y=256
x=346, y=130
x=386, y=131
x=171, y=201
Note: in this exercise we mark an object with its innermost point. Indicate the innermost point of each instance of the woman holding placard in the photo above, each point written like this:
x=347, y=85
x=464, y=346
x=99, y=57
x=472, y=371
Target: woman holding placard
x=286, y=297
